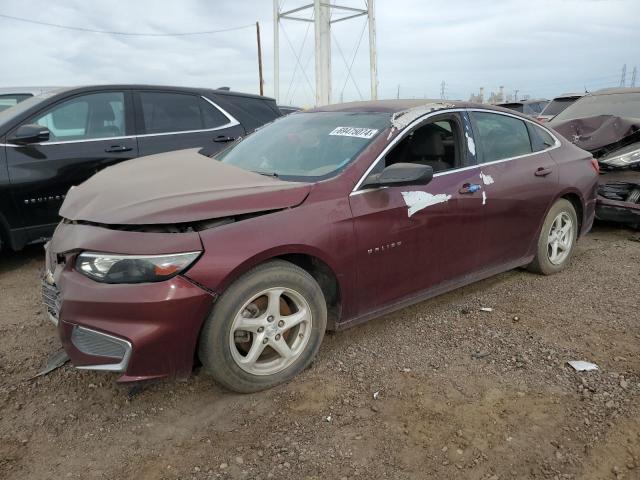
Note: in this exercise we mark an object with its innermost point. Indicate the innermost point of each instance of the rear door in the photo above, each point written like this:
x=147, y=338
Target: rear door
x=519, y=180
x=88, y=132
x=176, y=120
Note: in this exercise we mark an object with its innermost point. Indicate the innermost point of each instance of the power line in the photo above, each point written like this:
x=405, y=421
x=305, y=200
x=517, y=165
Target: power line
x=127, y=34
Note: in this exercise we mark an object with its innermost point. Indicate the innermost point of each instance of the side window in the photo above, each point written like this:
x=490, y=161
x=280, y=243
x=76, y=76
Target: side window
x=500, y=136
x=436, y=144
x=87, y=117
x=547, y=139
x=212, y=117
x=253, y=112
x=171, y=112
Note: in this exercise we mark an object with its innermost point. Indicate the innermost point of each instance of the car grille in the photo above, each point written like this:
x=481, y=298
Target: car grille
x=97, y=343
x=51, y=299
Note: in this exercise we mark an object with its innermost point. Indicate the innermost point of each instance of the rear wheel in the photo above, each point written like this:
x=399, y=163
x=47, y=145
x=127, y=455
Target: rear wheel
x=557, y=239
x=265, y=329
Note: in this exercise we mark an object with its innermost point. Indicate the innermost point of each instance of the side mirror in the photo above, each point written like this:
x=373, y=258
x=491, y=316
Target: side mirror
x=27, y=134
x=401, y=174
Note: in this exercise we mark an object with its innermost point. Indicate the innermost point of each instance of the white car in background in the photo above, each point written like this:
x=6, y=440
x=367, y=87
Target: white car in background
x=11, y=96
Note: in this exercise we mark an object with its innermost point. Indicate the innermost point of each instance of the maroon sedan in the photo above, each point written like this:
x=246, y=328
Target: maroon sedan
x=321, y=220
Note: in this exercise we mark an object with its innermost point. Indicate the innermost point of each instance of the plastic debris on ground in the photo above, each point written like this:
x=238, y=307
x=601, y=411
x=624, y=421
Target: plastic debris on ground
x=55, y=361
x=486, y=309
x=582, y=366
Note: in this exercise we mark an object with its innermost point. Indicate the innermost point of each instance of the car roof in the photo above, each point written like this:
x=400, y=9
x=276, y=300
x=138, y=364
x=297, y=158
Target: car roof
x=175, y=88
x=397, y=106
x=524, y=102
x=610, y=91
x=569, y=95
x=405, y=111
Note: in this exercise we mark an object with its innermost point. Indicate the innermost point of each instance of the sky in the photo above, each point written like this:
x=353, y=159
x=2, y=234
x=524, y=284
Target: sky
x=541, y=48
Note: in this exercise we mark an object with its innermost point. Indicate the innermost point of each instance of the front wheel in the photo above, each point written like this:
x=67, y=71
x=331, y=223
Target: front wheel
x=265, y=329
x=557, y=239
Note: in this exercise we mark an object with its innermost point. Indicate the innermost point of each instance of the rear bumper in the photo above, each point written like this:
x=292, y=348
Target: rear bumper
x=142, y=331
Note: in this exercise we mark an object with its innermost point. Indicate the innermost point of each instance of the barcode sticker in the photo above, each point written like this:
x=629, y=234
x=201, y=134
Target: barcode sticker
x=354, y=132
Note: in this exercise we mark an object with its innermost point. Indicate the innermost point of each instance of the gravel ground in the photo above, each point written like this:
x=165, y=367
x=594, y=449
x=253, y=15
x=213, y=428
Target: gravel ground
x=438, y=390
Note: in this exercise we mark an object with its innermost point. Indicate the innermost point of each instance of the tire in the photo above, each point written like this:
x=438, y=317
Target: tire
x=267, y=301
x=546, y=262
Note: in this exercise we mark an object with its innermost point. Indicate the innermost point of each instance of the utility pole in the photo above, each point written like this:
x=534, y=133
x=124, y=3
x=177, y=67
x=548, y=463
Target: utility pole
x=276, y=50
x=623, y=76
x=633, y=77
x=322, y=17
x=259, y=59
x=322, y=28
x=373, y=58
x=398, y=93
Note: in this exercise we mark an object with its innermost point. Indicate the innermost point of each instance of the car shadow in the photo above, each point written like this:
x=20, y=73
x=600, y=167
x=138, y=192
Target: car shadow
x=10, y=261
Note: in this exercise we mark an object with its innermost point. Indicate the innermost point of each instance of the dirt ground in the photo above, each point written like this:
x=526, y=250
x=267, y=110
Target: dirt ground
x=514, y=410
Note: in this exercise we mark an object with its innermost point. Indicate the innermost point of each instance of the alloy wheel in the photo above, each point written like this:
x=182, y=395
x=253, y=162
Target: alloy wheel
x=270, y=331
x=560, y=238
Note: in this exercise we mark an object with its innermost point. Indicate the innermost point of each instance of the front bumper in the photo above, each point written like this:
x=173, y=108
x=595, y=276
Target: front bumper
x=615, y=200
x=616, y=211
x=143, y=331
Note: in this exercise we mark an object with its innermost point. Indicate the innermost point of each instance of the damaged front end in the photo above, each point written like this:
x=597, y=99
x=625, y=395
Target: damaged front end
x=619, y=197
x=615, y=143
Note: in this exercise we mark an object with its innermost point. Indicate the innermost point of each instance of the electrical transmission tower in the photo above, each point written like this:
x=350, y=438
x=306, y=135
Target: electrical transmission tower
x=623, y=76
x=633, y=77
x=322, y=22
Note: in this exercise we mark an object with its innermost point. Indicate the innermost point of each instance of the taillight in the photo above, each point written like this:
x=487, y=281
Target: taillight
x=595, y=165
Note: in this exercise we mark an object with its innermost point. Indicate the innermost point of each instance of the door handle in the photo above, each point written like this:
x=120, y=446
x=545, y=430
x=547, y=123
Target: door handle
x=469, y=188
x=117, y=149
x=223, y=139
x=542, y=172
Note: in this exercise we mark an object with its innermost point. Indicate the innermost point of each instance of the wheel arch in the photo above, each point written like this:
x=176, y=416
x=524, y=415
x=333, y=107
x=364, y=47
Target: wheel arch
x=575, y=198
x=313, y=262
x=5, y=235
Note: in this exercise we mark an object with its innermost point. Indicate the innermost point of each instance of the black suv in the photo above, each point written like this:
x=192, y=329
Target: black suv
x=53, y=141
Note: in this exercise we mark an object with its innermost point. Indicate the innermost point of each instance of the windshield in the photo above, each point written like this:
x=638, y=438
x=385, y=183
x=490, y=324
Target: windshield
x=9, y=100
x=558, y=105
x=617, y=104
x=305, y=146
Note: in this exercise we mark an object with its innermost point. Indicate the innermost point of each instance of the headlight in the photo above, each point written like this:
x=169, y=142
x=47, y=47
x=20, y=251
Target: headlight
x=111, y=268
x=624, y=157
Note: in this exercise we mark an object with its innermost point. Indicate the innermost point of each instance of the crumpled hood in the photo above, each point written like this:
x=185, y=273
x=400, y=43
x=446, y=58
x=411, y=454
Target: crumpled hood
x=176, y=187
x=595, y=133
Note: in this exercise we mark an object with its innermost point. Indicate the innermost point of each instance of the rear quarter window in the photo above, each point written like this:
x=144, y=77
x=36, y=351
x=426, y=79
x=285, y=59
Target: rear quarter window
x=251, y=112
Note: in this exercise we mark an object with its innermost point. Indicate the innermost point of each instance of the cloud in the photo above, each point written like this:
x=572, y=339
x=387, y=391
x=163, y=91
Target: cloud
x=540, y=47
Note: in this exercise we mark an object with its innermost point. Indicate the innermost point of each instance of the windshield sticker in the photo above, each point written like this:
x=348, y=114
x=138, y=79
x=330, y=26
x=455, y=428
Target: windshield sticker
x=354, y=132
x=417, y=201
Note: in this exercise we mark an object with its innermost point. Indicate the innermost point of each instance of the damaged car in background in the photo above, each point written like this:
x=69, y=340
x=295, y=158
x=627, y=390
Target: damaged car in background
x=607, y=124
x=318, y=221
x=557, y=105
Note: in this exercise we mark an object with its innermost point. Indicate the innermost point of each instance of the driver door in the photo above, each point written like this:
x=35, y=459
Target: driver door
x=88, y=132
x=419, y=237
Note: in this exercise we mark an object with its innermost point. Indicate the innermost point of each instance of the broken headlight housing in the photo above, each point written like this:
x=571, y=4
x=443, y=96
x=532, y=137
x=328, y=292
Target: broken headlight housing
x=624, y=157
x=112, y=268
